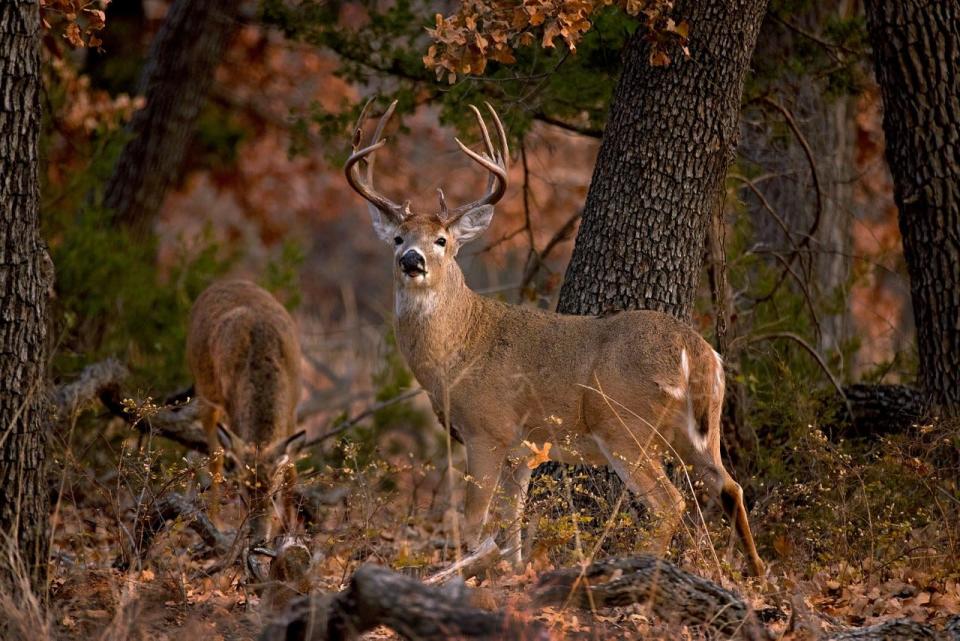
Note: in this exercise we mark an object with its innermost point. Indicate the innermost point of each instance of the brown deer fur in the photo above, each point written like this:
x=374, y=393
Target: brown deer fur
x=244, y=354
x=624, y=390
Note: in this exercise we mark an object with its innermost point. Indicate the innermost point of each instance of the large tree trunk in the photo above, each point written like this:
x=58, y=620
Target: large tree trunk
x=25, y=274
x=175, y=82
x=916, y=50
x=659, y=176
x=669, y=139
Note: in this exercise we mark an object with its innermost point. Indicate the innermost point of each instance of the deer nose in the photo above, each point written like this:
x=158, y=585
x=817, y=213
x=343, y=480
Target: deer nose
x=412, y=262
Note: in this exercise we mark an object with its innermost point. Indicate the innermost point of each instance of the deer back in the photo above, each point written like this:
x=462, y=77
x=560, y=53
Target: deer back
x=244, y=354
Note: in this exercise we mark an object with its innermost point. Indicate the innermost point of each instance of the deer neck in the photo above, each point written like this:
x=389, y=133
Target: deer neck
x=434, y=327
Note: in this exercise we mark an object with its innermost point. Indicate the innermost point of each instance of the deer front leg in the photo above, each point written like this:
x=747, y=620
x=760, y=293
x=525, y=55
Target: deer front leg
x=514, y=483
x=209, y=416
x=484, y=461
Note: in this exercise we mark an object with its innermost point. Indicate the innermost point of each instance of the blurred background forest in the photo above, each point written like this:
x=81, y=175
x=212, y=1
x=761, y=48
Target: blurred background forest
x=811, y=308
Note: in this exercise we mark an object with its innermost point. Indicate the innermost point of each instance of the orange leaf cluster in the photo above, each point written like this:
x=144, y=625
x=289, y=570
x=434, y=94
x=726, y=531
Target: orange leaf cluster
x=79, y=20
x=86, y=109
x=484, y=30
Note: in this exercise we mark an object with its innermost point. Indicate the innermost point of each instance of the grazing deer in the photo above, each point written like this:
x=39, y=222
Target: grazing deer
x=623, y=390
x=244, y=355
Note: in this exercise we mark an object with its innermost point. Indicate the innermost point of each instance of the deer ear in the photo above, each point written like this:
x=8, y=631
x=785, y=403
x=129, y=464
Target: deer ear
x=472, y=224
x=385, y=228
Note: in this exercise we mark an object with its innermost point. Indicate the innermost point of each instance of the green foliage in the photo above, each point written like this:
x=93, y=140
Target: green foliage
x=803, y=42
x=111, y=297
x=387, y=53
x=217, y=137
x=282, y=274
x=112, y=300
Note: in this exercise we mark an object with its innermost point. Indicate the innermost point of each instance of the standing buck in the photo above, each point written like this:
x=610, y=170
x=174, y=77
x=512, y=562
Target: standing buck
x=244, y=355
x=624, y=390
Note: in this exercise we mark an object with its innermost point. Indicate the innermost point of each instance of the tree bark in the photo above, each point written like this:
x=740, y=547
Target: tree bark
x=916, y=51
x=669, y=139
x=25, y=278
x=378, y=596
x=175, y=82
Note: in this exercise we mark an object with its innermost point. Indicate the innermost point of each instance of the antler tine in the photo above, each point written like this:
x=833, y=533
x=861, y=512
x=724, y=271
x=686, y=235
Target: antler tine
x=377, y=133
x=358, y=129
x=486, y=134
x=495, y=163
x=502, y=133
x=364, y=186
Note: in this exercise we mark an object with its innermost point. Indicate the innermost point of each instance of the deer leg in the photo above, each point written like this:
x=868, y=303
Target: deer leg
x=484, y=461
x=731, y=498
x=514, y=482
x=209, y=415
x=647, y=480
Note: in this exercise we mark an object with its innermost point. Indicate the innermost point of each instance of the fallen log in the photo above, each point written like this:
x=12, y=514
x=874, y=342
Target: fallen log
x=161, y=513
x=881, y=409
x=674, y=595
x=378, y=596
x=901, y=630
x=485, y=556
x=70, y=398
x=179, y=423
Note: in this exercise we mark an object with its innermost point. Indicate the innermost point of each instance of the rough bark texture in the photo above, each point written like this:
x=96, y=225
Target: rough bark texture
x=25, y=275
x=879, y=410
x=669, y=139
x=175, y=82
x=674, y=595
x=916, y=50
x=378, y=596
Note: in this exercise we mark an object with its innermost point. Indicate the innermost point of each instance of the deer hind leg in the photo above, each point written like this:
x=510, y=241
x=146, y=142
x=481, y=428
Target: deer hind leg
x=513, y=486
x=730, y=494
x=209, y=416
x=645, y=477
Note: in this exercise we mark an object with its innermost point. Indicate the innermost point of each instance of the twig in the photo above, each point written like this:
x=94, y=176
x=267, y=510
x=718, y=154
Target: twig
x=342, y=427
x=560, y=236
x=808, y=152
x=809, y=348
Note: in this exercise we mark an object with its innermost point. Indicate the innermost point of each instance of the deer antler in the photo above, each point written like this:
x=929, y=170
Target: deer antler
x=493, y=161
x=365, y=157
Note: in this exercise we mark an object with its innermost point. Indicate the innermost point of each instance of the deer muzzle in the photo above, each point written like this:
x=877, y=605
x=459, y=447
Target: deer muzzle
x=413, y=264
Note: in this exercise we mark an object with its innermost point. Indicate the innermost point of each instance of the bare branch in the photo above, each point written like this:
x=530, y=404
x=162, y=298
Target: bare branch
x=342, y=427
x=809, y=348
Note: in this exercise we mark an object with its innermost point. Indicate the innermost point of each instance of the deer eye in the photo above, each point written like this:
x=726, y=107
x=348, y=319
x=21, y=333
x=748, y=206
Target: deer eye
x=398, y=240
x=441, y=241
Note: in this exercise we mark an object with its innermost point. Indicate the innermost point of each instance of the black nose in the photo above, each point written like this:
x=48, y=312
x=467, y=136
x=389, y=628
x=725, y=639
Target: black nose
x=412, y=262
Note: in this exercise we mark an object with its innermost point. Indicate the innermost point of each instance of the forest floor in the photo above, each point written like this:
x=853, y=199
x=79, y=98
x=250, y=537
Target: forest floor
x=399, y=511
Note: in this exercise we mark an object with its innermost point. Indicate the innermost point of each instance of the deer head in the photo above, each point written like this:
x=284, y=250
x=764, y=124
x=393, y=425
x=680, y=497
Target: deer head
x=263, y=472
x=425, y=244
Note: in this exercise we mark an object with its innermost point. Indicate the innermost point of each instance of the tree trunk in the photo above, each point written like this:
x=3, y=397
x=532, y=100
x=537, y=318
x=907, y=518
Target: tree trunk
x=25, y=276
x=669, y=139
x=175, y=82
x=916, y=50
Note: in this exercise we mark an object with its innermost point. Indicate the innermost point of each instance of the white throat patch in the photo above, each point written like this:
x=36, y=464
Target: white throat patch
x=414, y=301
